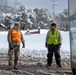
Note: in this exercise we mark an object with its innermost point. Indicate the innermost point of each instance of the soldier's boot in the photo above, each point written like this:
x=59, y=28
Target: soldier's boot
x=16, y=65
x=9, y=66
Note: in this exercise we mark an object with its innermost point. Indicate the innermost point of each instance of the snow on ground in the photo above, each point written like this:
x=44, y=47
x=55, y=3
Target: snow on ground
x=35, y=43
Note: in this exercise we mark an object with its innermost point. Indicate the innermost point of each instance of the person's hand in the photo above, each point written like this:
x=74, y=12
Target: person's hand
x=11, y=46
x=59, y=45
x=46, y=44
x=23, y=45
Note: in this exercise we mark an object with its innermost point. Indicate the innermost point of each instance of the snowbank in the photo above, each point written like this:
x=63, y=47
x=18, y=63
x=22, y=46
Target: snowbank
x=36, y=43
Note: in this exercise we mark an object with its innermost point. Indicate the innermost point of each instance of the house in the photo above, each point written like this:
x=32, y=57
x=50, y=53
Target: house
x=33, y=32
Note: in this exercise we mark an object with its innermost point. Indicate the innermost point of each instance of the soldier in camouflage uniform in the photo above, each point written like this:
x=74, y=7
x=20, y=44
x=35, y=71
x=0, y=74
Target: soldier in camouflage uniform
x=14, y=38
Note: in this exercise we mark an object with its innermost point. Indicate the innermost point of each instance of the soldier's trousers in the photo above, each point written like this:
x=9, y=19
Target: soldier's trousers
x=14, y=55
x=53, y=49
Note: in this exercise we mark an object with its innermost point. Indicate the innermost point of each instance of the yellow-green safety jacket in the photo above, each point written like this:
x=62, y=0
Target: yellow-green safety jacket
x=53, y=38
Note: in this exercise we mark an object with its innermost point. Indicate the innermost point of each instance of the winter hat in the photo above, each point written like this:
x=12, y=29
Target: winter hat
x=53, y=24
x=17, y=23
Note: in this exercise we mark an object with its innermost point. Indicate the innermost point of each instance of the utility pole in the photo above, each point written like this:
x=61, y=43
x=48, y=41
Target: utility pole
x=53, y=5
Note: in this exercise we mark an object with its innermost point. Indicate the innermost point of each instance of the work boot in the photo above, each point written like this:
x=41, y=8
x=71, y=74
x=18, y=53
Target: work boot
x=15, y=67
x=59, y=66
x=48, y=65
x=9, y=67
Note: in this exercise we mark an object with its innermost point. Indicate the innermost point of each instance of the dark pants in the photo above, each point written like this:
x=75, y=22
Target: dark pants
x=53, y=49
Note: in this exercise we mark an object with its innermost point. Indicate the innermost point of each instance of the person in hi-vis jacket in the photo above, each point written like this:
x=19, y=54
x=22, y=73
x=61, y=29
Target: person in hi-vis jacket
x=53, y=44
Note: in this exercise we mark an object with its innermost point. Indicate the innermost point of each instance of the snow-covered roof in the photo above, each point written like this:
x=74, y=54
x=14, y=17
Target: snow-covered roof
x=2, y=25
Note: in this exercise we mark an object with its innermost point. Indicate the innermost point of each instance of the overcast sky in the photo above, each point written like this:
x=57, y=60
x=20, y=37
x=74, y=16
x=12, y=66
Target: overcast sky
x=62, y=4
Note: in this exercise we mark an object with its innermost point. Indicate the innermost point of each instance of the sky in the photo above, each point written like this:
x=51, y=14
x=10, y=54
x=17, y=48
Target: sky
x=58, y=8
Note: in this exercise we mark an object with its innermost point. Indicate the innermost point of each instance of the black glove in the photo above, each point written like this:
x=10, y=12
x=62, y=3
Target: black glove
x=46, y=44
x=23, y=45
x=59, y=45
x=10, y=45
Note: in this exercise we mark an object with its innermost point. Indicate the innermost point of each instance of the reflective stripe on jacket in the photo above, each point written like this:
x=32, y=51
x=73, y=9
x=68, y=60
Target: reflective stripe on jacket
x=16, y=35
x=53, y=38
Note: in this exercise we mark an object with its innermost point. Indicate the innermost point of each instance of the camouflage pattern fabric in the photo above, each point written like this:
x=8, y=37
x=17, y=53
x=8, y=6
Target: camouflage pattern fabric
x=14, y=55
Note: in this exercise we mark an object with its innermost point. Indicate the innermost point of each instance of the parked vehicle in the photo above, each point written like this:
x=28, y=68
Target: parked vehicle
x=72, y=32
